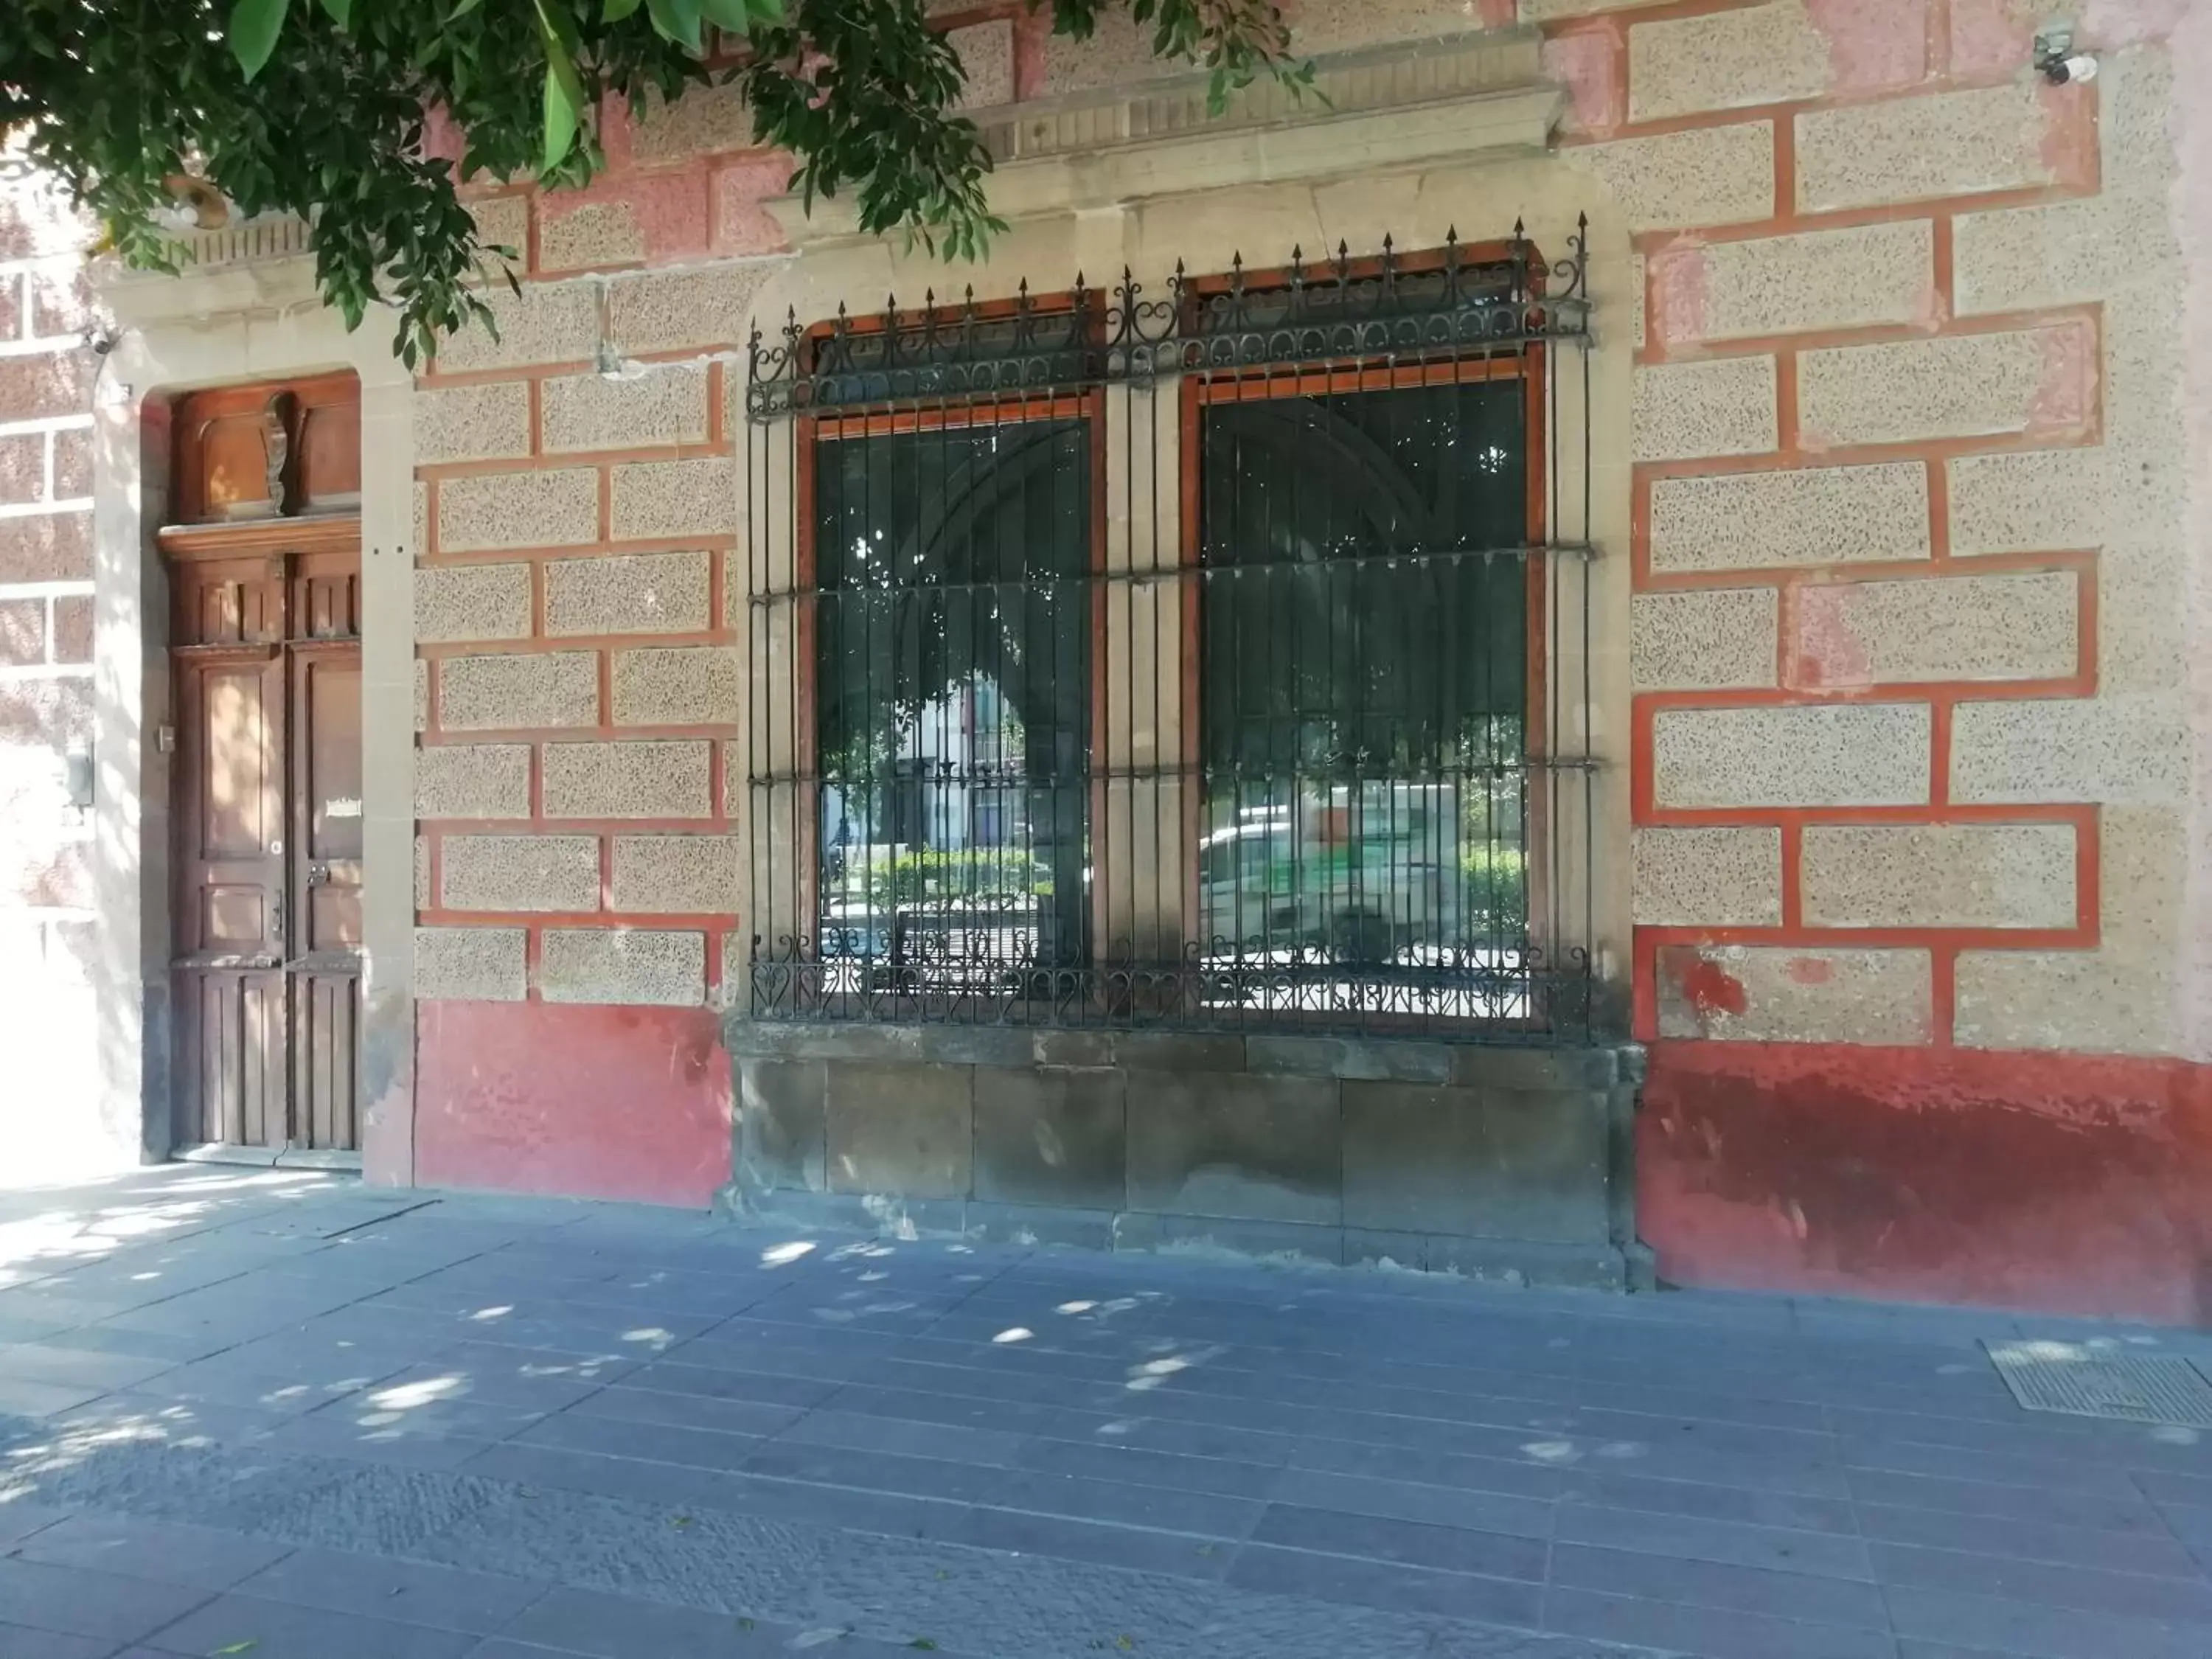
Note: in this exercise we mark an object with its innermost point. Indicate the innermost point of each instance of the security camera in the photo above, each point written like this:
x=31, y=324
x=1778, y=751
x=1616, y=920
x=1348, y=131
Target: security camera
x=99, y=339
x=2058, y=62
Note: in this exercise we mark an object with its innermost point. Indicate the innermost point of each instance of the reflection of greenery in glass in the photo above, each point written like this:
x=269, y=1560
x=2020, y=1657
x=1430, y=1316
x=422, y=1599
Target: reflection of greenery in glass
x=965, y=873
x=952, y=660
x=1364, y=669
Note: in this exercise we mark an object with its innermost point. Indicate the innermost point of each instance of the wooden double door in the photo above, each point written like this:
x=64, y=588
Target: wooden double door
x=267, y=828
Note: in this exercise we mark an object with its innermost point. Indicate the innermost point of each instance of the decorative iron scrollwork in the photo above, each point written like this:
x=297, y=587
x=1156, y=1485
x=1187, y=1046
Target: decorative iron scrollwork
x=1389, y=309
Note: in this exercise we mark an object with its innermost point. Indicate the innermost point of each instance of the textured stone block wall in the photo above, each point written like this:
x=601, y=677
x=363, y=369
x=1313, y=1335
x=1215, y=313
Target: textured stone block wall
x=1906, y=641
x=46, y=629
x=1911, y=753
x=575, y=610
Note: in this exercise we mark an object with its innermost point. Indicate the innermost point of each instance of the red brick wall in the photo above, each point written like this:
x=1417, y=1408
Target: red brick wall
x=46, y=675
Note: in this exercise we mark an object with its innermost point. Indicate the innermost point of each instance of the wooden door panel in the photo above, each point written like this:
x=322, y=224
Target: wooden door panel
x=328, y=808
x=235, y=919
x=230, y=873
x=326, y=821
x=267, y=818
x=233, y=1041
x=325, y=1017
x=329, y=465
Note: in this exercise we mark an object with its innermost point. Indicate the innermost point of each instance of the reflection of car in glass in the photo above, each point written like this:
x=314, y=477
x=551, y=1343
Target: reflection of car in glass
x=1361, y=873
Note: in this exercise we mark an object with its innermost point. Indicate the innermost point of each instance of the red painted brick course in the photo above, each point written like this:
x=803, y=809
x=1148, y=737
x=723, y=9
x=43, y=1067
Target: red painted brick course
x=22, y=467
x=46, y=384
x=22, y=631
x=53, y=712
x=61, y=301
x=46, y=547
x=73, y=463
x=73, y=629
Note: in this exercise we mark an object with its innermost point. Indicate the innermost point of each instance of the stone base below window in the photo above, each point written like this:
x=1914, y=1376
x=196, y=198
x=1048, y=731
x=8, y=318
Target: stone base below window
x=1510, y=1164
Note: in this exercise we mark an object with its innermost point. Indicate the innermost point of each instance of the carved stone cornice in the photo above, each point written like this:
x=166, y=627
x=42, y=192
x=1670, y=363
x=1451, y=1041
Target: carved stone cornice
x=1409, y=104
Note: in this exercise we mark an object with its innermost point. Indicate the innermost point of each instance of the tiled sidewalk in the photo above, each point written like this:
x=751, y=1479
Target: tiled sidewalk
x=282, y=1417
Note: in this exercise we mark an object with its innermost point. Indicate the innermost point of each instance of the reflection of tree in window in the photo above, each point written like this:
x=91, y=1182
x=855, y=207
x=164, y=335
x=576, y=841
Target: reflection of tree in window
x=953, y=664
x=1364, y=673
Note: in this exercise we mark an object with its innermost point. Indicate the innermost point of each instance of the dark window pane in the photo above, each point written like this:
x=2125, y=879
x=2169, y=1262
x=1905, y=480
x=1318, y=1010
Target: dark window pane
x=953, y=669
x=1363, y=678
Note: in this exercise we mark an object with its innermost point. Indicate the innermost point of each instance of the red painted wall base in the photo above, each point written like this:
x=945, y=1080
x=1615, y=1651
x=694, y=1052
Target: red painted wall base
x=2068, y=1183
x=587, y=1102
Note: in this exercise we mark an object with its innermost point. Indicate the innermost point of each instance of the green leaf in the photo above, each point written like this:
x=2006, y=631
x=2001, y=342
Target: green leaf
x=561, y=106
x=616, y=10
x=564, y=87
x=678, y=21
x=462, y=11
x=341, y=12
x=254, y=26
x=731, y=16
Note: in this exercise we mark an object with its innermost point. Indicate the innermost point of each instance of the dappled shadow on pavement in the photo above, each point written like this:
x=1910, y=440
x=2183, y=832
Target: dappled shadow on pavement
x=329, y=1421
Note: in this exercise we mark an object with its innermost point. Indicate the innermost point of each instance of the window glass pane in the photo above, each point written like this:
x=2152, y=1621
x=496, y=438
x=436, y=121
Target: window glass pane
x=1363, y=678
x=952, y=646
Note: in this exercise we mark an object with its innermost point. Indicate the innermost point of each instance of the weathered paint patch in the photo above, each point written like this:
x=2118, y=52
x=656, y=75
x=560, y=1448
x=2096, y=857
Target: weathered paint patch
x=1825, y=651
x=586, y=1102
x=1873, y=44
x=1679, y=284
x=1588, y=62
x=2060, y=1182
x=1710, y=989
x=2066, y=392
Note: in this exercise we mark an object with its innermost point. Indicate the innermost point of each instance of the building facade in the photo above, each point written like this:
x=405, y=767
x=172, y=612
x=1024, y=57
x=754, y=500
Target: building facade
x=1582, y=658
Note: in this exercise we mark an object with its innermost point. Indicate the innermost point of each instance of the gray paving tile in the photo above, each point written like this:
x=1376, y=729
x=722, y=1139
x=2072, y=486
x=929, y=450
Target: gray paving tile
x=1702, y=1500
x=1390, y=1585
x=76, y=1603
x=633, y=1405
x=715, y=1383
x=1804, y=1597
x=22, y=1518
x=1491, y=1474
x=1709, y=1632
x=1381, y=1538
x=862, y=1431
x=21, y=1398
x=2164, y=1486
x=840, y=1465
x=1184, y=1439
x=408, y=1591
x=1116, y=1460
x=59, y=1361
x=619, y=1627
x=22, y=1642
x=671, y=1484
x=2031, y=1539
x=2087, y=1589
x=1732, y=1543
x=1176, y=1554
x=170, y=1553
x=2066, y=1508
x=2022, y=1630
x=963, y=1412
x=1163, y=1508
x=1404, y=1500
x=657, y=1442
x=278, y=1630
x=2101, y=1479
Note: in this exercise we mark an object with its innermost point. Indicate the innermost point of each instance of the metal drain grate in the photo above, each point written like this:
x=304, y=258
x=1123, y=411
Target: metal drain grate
x=2083, y=1381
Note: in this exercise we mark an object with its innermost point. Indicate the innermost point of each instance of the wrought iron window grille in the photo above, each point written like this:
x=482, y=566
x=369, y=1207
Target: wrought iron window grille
x=1021, y=752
